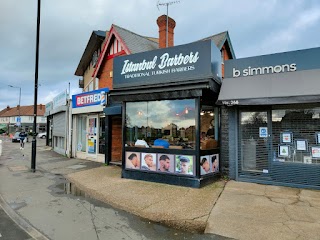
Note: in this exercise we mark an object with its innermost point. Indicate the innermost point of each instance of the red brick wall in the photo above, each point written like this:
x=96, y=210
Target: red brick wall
x=116, y=141
x=226, y=57
x=105, y=81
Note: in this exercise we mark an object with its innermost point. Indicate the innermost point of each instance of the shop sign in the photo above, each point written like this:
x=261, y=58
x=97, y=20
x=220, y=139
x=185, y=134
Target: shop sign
x=277, y=63
x=185, y=62
x=96, y=97
x=49, y=107
x=60, y=99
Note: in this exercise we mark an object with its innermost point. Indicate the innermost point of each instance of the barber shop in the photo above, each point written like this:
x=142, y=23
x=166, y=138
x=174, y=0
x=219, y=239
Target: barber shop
x=169, y=118
x=271, y=108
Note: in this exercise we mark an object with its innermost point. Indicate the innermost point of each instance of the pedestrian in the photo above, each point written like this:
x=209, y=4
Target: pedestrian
x=23, y=139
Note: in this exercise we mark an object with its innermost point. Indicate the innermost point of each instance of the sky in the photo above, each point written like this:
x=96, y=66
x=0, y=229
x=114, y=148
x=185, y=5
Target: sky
x=255, y=28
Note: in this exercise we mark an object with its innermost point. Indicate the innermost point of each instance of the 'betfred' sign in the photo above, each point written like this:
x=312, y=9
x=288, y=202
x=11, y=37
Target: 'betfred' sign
x=91, y=98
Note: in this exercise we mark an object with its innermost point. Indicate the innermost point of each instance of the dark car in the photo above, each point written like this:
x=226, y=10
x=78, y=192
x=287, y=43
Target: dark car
x=16, y=137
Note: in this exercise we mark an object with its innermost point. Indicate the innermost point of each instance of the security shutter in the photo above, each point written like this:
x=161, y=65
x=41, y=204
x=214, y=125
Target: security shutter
x=253, y=149
x=302, y=125
x=59, y=124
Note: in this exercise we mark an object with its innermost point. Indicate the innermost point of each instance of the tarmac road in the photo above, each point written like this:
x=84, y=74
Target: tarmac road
x=9, y=230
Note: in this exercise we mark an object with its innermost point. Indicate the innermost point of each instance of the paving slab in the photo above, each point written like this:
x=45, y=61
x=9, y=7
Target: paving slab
x=180, y=207
x=255, y=211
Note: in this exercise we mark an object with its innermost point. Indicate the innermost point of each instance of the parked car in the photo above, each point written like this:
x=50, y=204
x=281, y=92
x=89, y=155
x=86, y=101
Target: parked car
x=16, y=137
x=42, y=135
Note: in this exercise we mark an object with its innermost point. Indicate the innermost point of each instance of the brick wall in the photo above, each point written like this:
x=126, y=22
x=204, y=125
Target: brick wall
x=229, y=141
x=116, y=146
x=224, y=148
x=105, y=80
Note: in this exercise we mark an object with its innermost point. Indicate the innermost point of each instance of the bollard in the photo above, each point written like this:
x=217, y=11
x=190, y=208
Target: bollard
x=0, y=147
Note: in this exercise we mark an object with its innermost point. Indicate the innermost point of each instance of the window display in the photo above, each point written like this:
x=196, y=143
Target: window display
x=163, y=123
x=297, y=131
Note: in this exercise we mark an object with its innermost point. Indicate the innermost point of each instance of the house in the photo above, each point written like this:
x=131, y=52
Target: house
x=21, y=118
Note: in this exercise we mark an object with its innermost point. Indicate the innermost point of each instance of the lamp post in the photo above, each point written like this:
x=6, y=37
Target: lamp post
x=35, y=107
x=19, y=100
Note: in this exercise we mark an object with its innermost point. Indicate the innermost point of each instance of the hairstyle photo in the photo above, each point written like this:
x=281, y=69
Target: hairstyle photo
x=132, y=160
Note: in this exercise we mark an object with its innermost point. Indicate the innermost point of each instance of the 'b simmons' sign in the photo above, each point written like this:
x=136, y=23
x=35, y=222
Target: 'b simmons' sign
x=273, y=63
x=96, y=97
x=185, y=62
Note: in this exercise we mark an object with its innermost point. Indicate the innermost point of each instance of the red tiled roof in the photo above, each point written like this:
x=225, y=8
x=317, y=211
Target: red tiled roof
x=24, y=111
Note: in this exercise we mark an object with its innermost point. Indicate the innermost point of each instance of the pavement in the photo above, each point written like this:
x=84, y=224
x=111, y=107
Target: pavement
x=231, y=209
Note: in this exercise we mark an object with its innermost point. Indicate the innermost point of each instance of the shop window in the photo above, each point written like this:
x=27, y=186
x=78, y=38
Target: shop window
x=208, y=133
x=296, y=135
x=102, y=135
x=170, y=122
x=81, y=130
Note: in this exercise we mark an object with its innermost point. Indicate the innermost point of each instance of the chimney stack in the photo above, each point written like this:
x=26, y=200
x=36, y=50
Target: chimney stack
x=162, y=23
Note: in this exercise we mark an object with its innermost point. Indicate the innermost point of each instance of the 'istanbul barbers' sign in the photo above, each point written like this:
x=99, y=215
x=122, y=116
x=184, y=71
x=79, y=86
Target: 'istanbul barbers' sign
x=185, y=62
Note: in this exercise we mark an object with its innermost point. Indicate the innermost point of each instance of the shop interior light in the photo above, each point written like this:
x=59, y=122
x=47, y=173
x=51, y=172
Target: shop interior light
x=211, y=114
x=202, y=113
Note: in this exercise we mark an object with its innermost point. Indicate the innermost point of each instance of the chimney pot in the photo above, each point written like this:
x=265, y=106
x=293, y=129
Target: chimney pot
x=162, y=24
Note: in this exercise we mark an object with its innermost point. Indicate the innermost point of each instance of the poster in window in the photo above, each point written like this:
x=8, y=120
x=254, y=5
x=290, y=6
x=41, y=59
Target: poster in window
x=184, y=164
x=283, y=151
x=133, y=160
x=92, y=146
x=301, y=145
x=286, y=137
x=315, y=152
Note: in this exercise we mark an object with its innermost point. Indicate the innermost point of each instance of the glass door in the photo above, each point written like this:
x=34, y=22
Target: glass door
x=92, y=135
x=254, y=141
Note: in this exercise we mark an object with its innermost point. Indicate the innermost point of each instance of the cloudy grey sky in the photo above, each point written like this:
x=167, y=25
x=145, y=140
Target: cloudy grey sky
x=255, y=28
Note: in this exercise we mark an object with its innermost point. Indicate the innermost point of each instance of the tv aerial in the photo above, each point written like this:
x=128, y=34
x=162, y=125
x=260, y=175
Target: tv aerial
x=166, y=4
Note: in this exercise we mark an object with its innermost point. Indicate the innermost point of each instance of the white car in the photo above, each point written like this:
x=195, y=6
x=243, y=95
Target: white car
x=42, y=135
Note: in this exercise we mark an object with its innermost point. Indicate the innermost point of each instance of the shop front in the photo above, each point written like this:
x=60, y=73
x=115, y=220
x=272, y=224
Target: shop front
x=88, y=135
x=272, y=106
x=169, y=118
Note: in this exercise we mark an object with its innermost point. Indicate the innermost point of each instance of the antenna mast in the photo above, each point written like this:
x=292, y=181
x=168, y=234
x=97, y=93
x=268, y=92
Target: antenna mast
x=166, y=4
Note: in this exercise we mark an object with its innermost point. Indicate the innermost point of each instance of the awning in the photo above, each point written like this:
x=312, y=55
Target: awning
x=114, y=109
x=271, y=89
x=188, y=89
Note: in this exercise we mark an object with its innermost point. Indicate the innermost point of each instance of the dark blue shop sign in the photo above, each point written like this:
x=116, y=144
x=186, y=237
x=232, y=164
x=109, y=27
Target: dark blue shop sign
x=85, y=99
x=273, y=64
x=197, y=60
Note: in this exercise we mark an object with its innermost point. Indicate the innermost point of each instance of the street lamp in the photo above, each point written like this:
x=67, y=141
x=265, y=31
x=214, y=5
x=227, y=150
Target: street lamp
x=36, y=85
x=19, y=100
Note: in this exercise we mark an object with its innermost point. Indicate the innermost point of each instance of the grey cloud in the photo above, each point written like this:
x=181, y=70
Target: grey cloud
x=255, y=28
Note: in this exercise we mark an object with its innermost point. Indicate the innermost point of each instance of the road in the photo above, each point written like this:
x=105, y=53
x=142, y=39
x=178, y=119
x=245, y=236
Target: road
x=9, y=230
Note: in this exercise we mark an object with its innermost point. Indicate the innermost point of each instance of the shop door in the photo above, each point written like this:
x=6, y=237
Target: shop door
x=254, y=141
x=92, y=136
